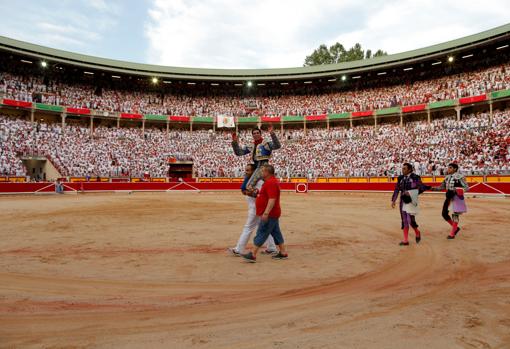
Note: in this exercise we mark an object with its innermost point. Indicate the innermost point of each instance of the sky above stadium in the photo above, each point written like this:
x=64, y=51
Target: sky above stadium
x=242, y=33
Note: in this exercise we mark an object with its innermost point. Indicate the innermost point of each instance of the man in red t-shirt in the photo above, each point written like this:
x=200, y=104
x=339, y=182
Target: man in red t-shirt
x=268, y=209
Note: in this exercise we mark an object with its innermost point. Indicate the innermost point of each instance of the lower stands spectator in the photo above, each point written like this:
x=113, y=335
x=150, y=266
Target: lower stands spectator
x=478, y=146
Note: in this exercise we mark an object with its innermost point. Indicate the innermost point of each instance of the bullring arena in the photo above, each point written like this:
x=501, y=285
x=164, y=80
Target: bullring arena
x=151, y=269
x=120, y=197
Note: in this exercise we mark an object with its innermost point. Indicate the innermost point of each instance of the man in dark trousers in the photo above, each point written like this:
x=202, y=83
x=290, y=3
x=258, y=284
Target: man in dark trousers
x=406, y=182
x=455, y=185
x=269, y=211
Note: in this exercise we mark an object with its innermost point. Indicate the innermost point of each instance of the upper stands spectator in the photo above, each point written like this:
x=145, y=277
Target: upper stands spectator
x=424, y=91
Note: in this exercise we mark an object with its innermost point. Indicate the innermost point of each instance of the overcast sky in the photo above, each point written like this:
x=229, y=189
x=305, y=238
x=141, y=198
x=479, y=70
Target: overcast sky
x=242, y=33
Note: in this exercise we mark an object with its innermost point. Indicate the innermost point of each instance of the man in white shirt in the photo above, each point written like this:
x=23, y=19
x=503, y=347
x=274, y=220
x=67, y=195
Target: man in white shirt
x=252, y=220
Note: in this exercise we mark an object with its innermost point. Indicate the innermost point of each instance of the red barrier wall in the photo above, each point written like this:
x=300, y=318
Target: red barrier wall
x=18, y=188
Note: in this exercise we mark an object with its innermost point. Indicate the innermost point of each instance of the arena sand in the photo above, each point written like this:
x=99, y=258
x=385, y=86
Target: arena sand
x=149, y=270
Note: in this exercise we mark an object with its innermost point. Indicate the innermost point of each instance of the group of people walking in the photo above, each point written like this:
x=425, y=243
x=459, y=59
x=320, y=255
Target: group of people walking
x=262, y=191
x=409, y=186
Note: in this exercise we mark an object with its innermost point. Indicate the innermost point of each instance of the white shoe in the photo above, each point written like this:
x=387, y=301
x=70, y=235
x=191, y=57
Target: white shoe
x=233, y=251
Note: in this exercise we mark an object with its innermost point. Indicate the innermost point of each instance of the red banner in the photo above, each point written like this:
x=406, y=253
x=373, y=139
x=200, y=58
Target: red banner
x=358, y=114
x=473, y=99
x=81, y=111
x=316, y=117
x=130, y=116
x=179, y=118
x=271, y=119
x=20, y=104
x=411, y=108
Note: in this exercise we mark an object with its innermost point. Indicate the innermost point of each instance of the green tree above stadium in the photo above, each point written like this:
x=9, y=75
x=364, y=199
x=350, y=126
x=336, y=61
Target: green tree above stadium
x=337, y=53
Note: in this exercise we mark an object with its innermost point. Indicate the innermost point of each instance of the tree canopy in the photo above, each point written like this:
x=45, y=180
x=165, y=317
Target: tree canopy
x=337, y=53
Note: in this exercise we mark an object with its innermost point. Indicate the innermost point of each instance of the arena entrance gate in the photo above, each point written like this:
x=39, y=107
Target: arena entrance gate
x=179, y=169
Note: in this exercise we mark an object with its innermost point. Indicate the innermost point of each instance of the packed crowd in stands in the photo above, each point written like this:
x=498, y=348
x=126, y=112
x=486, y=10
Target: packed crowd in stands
x=31, y=88
x=478, y=146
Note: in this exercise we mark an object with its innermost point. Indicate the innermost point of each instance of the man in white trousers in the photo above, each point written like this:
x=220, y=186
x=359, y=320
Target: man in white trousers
x=253, y=220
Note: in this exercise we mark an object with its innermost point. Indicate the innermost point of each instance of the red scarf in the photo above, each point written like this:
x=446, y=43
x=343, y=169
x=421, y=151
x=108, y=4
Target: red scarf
x=257, y=142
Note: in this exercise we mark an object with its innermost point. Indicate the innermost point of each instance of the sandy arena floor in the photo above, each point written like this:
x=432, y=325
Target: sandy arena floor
x=149, y=270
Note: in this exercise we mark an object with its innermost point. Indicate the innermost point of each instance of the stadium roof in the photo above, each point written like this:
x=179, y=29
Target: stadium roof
x=332, y=70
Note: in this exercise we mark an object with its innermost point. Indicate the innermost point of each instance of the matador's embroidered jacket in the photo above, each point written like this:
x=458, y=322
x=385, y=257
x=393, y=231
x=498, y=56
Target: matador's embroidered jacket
x=260, y=153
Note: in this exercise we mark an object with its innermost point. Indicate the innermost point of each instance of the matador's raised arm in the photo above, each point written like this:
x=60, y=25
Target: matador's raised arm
x=238, y=150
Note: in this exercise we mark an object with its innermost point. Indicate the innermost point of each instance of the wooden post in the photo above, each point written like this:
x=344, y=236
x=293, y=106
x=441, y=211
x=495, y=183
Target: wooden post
x=91, y=125
x=32, y=115
x=191, y=124
x=281, y=126
x=118, y=121
x=401, y=119
x=350, y=121
x=143, y=126
x=490, y=112
x=304, y=124
x=327, y=122
x=428, y=116
x=167, y=128
x=458, y=109
x=63, y=115
x=375, y=122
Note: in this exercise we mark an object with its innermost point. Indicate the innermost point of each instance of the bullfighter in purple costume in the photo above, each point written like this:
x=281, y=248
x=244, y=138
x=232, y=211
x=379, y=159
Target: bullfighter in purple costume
x=406, y=182
x=455, y=185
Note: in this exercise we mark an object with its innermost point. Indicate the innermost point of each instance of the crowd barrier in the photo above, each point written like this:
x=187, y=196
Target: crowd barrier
x=498, y=188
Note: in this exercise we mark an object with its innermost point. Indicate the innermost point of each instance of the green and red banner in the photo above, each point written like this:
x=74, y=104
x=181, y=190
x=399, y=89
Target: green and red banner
x=443, y=104
x=500, y=94
x=156, y=117
x=179, y=118
x=413, y=108
x=360, y=114
x=19, y=104
x=130, y=116
x=49, y=107
x=388, y=111
x=321, y=117
x=203, y=119
x=339, y=116
x=81, y=111
x=268, y=119
x=248, y=120
x=293, y=118
x=473, y=99
x=271, y=119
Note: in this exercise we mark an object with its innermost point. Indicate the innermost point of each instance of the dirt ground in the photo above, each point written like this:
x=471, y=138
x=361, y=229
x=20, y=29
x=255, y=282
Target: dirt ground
x=150, y=270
